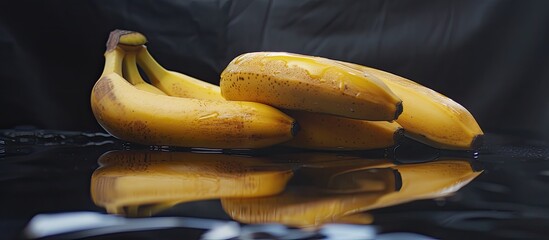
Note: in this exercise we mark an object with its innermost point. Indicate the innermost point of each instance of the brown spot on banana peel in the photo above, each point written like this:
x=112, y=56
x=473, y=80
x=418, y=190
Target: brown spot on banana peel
x=138, y=130
x=103, y=87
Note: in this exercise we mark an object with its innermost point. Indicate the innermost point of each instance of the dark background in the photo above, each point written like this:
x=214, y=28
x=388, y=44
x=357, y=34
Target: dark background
x=490, y=56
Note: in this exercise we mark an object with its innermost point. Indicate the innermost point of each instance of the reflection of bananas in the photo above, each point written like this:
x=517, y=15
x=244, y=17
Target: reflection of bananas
x=143, y=117
x=312, y=84
x=368, y=187
x=128, y=180
x=332, y=161
x=428, y=116
x=296, y=206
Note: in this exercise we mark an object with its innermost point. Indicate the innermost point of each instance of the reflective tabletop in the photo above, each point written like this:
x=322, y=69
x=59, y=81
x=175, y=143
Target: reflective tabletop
x=73, y=185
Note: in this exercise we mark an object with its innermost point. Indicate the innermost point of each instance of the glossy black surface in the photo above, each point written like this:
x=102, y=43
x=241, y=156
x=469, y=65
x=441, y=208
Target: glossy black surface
x=46, y=172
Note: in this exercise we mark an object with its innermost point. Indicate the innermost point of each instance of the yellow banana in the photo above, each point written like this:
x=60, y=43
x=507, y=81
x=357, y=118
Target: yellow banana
x=131, y=73
x=307, y=83
x=131, y=182
x=143, y=117
x=328, y=132
x=174, y=83
x=429, y=116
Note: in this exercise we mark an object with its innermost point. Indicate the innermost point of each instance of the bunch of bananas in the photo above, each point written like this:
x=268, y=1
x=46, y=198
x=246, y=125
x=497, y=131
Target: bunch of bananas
x=270, y=98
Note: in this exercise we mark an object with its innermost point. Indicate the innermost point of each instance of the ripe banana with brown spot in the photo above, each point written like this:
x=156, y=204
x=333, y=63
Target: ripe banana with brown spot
x=313, y=84
x=429, y=116
x=143, y=117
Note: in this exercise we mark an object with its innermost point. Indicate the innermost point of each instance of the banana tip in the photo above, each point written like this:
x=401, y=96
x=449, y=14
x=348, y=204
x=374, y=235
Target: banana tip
x=398, y=110
x=295, y=128
x=477, y=142
x=398, y=135
x=398, y=180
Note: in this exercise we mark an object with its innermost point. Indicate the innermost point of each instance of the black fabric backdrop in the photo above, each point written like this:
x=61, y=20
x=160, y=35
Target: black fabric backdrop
x=490, y=56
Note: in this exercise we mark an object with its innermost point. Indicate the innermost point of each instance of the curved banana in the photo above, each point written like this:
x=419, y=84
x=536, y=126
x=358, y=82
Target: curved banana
x=131, y=73
x=143, y=117
x=429, y=116
x=307, y=83
x=328, y=132
x=136, y=180
x=174, y=83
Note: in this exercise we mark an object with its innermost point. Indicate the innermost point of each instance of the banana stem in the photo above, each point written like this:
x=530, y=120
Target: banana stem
x=114, y=54
x=113, y=61
x=130, y=70
x=150, y=66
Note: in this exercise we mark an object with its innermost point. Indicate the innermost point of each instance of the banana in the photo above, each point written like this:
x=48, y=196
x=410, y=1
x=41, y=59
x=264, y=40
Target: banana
x=307, y=83
x=170, y=82
x=131, y=73
x=143, y=117
x=136, y=180
x=174, y=83
x=328, y=132
x=429, y=116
